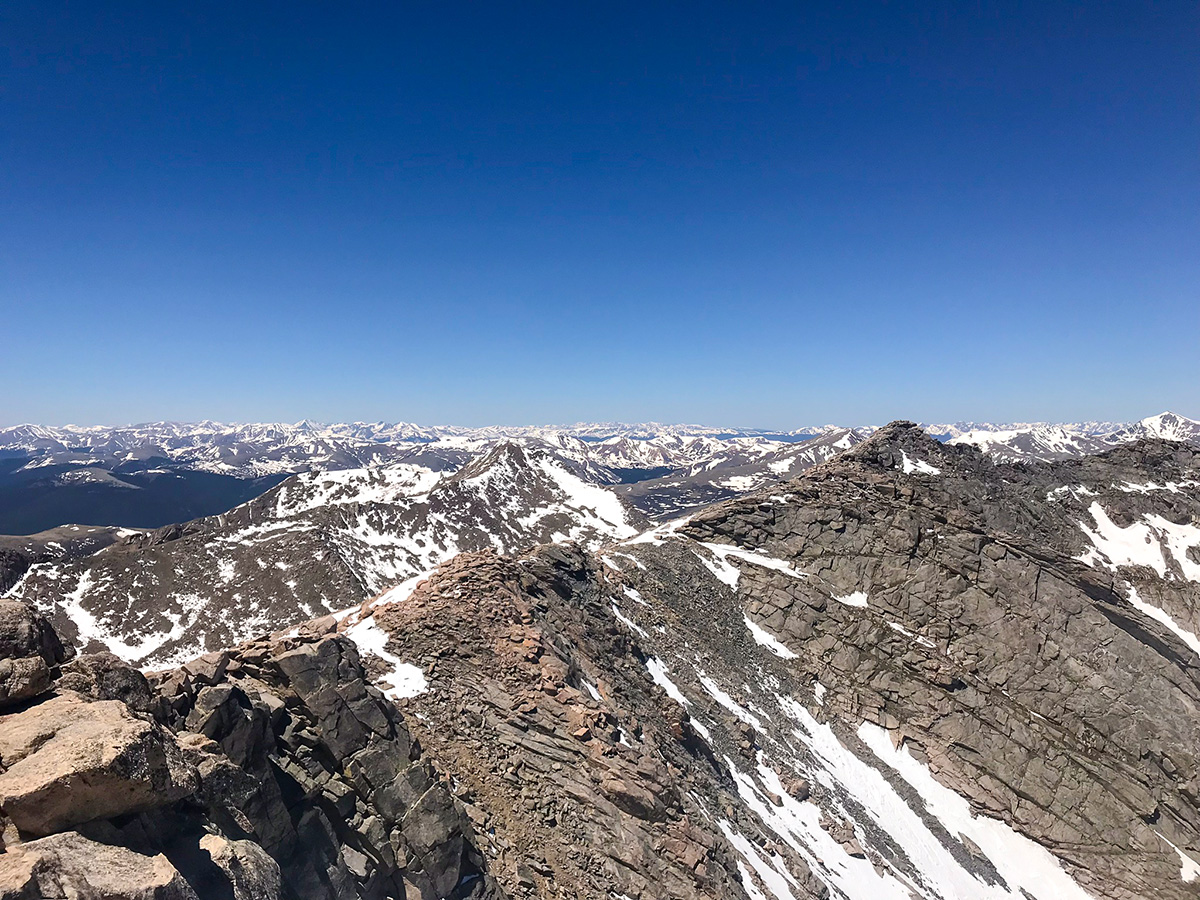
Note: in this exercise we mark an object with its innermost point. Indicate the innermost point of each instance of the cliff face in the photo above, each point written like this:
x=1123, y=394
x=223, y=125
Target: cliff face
x=909, y=672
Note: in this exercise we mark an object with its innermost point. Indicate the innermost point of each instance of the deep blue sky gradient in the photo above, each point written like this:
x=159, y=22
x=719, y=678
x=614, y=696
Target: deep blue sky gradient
x=754, y=214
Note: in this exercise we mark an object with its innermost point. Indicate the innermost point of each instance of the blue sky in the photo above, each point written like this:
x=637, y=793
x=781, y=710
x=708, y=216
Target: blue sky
x=756, y=214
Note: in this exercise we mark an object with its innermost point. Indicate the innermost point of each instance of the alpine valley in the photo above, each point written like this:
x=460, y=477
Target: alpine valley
x=607, y=662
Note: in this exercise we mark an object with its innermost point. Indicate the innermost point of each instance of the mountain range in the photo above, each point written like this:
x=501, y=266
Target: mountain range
x=147, y=476
x=894, y=662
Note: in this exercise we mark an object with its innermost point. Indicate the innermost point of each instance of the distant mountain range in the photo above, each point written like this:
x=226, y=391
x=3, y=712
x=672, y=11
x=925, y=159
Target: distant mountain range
x=147, y=476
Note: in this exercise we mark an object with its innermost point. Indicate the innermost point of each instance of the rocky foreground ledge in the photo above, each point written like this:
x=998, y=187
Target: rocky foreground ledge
x=274, y=771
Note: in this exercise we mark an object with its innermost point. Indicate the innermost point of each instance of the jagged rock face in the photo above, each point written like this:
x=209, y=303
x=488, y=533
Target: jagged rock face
x=274, y=772
x=967, y=628
x=575, y=768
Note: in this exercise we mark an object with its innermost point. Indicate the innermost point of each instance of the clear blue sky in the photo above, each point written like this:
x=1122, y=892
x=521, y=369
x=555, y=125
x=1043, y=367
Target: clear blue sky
x=756, y=214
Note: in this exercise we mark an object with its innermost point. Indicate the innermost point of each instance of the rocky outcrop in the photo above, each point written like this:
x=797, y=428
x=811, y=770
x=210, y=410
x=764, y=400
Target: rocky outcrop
x=272, y=772
x=70, y=865
x=69, y=760
x=25, y=634
x=28, y=648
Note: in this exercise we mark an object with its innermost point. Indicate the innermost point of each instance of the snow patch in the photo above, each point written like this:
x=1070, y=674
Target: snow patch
x=406, y=679
x=756, y=557
x=1023, y=863
x=1189, y=869
x=769, y=641
x=1150, y=542
x=658, y=674
x=628, y=622
x=858, y=598
x=777, y=880
x=917, y=466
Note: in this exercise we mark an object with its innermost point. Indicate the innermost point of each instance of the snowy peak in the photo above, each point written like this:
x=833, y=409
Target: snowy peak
x=317, y=543
x=1047, y=442
x=1168, y=426
x=1036, y=442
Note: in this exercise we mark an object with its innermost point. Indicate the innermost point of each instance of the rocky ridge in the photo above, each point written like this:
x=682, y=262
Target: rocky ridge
x=273, y=771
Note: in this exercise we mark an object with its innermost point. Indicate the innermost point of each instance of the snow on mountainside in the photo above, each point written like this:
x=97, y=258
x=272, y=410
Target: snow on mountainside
x=319, y=542
x=741, y=465
x=258, y=449
x=893, y=677
x=152, y=475
x=147, y=476
x=1046, y=442
x=910, y=671
x=1169, y=426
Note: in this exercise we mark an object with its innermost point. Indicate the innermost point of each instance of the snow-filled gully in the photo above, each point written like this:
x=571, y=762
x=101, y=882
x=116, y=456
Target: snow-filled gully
x=918, y=847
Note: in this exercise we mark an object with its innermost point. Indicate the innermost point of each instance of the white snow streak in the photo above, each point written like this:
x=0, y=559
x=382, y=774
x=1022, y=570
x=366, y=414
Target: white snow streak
x=658, y=673
x=1161, y=615
x=858, y=598
x=769, y=641
x=917, y=466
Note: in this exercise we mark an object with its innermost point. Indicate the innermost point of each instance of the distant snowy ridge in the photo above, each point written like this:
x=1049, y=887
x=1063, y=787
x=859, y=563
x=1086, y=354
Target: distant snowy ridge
x=266, y=448
x=1045, y=442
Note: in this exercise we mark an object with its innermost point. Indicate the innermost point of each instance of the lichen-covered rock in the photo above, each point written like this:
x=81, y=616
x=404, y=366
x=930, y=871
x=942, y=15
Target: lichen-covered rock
x=69, y=760
x=69, y=865
x=24, y=633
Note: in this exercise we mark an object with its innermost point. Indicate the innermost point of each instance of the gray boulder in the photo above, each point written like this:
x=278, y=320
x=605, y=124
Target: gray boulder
x=24, y=633
x=22, y=679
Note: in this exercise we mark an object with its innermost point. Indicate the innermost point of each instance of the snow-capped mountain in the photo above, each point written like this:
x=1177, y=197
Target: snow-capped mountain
x=1040, y=441
x=946, y=431
x=151, y=475
x=1033, y=442
x=1168, y=426
x=741, y=465
x=319, y=542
